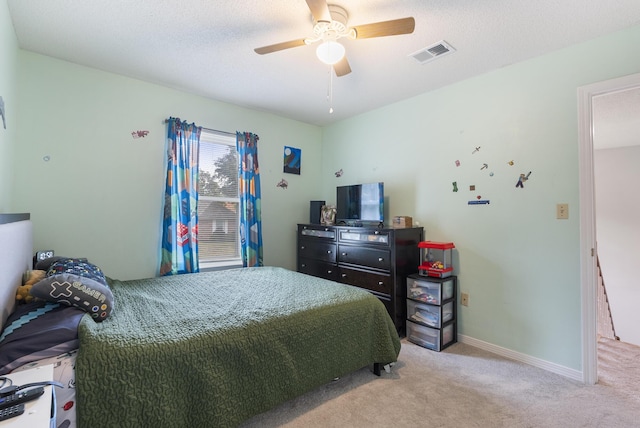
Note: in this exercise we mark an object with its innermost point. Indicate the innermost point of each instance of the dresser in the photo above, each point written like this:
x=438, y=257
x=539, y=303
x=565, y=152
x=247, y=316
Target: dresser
x=376, y=259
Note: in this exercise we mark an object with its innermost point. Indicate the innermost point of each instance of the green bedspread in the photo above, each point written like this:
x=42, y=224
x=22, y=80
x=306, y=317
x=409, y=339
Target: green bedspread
x=214, y=349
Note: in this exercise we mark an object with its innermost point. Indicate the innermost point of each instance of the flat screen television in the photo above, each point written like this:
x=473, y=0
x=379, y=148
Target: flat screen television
x=360, y=204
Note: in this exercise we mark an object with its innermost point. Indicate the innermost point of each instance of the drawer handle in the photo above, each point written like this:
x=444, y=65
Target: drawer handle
x=344, y=275
x=344, y=254
x=380, y=283
x=329, y=272
x=328, y=251
x=302, y=248
x=380, y=259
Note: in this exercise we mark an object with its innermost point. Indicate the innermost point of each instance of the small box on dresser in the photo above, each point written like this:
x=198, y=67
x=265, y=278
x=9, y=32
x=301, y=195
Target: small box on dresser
x=431, y=311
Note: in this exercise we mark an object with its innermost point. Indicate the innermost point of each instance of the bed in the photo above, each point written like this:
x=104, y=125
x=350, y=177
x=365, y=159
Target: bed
x=211, y=349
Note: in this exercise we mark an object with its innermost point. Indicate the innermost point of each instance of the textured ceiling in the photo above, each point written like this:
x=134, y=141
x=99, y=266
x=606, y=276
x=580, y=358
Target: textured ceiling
x=206, y=47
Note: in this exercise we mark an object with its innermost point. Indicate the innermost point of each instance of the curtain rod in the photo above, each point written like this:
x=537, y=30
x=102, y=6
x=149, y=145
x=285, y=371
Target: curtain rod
x=212, y=130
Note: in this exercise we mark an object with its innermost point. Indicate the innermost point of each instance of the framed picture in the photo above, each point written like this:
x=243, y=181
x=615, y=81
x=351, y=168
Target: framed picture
x=328, y=214
x=292, y=158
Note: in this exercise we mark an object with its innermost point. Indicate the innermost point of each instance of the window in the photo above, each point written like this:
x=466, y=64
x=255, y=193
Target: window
x=218, y=201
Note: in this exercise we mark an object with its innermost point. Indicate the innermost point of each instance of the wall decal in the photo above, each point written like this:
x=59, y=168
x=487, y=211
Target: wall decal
x=282, y=184
x=472, y=188
x=292, y=160
x=457, y=162
x=338, y=173
x=481, y=202
x=522, y=179
x=138, y=134
x=4, y=123
x=476, y=150
x=455, y=186
x=510, y=163
x=484, y=166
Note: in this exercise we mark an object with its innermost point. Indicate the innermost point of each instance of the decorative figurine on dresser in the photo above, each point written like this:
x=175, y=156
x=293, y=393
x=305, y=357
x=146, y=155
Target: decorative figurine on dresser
x=377, y=259
x=431, y=298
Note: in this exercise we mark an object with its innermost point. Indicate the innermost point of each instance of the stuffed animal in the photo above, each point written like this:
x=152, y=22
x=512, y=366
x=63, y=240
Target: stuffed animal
x=29, y=278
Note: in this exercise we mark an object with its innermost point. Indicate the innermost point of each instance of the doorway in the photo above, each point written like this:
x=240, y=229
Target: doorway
x=588, y=245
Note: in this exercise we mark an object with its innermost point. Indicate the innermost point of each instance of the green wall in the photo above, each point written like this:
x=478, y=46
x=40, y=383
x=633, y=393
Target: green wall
x=519, y=264
x=8, y=55
x=100, y=193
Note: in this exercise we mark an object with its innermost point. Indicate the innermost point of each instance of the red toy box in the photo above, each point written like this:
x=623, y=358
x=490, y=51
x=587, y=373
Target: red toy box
x=436, y=258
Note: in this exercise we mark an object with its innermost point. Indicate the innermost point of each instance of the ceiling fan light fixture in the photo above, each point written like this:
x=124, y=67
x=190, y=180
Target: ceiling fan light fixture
x=330, y=52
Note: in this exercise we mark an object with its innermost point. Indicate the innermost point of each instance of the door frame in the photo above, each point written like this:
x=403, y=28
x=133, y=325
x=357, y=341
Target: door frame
x=588, y=244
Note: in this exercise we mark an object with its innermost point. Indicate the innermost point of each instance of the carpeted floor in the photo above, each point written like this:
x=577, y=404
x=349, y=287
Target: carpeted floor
x=619, y=367
x=464, y=386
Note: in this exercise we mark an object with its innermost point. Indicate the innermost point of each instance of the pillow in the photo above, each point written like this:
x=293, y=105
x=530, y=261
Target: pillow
x=74, y=282
x=45, y=264
x=80, y=267
x=38, y=330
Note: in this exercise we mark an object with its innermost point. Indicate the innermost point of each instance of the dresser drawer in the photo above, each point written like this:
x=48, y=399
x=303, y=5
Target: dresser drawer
x=370, y=257
x=316, y=268
x=378, y=282
x=432, y=338
x=430, y=290
x=429, y=315
x=317, y=232
x=368, y=236
x=323, y=251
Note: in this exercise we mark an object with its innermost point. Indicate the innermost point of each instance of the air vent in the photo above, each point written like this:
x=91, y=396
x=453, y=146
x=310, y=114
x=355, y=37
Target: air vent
x=432, y=52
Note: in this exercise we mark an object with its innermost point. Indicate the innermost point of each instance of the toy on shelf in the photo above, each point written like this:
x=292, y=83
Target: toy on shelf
x=436, y=258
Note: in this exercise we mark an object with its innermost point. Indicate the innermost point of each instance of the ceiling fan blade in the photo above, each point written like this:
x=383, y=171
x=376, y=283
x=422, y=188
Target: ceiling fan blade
x=342, y=67
x=385, y=28
x=279, y=46
x=320, y=10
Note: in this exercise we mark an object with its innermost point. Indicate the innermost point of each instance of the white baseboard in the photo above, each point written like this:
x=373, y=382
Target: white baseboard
x=523, y=358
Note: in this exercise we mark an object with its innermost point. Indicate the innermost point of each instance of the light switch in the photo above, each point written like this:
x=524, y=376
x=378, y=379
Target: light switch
x=562, y=211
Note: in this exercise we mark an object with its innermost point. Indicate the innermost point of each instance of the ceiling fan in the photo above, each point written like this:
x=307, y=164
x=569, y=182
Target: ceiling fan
x=331, y=25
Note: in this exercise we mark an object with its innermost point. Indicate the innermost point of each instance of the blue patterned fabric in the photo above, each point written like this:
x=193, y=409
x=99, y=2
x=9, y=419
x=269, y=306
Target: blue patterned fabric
x=80, y=267
x=38, y=330
x=24, y=319
x=250, y=200
x=180, y=221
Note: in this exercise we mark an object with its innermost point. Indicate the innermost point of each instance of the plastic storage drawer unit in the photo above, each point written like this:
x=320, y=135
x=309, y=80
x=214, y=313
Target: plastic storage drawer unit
x=432, y=316
x=432, y=338
x=430, y=290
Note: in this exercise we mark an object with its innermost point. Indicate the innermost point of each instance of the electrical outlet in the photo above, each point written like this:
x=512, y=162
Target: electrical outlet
x=464, y=299
x=562, y=211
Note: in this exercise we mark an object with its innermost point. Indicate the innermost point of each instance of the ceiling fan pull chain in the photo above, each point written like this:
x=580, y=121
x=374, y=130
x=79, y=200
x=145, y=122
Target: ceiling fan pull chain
x=330, y=94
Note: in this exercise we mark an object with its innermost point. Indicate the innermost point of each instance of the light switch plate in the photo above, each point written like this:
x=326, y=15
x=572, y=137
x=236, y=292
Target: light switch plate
x=562, y=211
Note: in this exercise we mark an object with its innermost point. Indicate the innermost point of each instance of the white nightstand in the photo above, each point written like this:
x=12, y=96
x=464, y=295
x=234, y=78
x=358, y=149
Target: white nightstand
x=37, y=413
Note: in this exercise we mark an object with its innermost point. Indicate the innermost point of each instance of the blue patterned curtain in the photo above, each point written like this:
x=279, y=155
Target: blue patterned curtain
x=180, y=220
x=249, y=188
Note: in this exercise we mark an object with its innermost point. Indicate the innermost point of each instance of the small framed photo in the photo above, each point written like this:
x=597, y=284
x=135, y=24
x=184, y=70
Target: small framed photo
x=328, y=215
x=292, y=160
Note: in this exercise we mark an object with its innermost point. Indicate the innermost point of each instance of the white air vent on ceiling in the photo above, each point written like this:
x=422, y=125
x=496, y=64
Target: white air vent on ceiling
x=432, y=52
